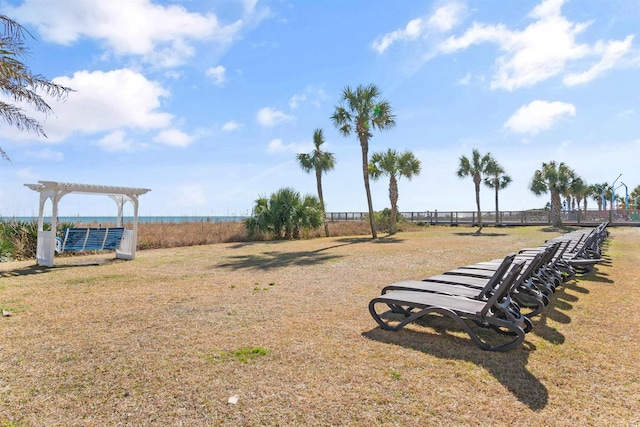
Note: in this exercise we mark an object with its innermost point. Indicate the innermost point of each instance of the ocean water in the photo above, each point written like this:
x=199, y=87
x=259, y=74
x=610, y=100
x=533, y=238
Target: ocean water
x=79, y=220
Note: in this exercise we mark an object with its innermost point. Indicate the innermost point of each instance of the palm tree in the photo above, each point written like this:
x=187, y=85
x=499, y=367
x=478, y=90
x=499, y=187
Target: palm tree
x=601, y=193
x=360, y=111
x=19, y=84
x=578, y=190
x=568, y=191
x=497, y=179
x=320, y=162
x=554, y=179
x=395, y=165
x=284, y=214
x=475, y=168
x=596, y=194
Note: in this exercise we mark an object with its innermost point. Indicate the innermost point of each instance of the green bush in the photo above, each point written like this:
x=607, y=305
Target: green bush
x=18, y=239
x=383, y=220
x=284, y=215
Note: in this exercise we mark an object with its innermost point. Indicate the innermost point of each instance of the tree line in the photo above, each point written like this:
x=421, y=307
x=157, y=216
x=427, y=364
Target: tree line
x=362, y=110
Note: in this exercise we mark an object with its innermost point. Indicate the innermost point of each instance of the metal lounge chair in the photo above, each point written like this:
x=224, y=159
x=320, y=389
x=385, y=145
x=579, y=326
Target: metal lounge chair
x=494, y=312
x=524, y=293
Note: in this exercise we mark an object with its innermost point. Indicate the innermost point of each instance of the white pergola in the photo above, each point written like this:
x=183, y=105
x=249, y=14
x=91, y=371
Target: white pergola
x=54, y=191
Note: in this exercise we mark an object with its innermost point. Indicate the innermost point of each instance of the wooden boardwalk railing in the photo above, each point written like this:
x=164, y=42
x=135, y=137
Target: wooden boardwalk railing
x=530, y=217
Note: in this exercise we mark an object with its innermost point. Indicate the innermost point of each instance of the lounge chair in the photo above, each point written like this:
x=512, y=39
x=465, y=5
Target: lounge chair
x=494, y=312
x=523, y=294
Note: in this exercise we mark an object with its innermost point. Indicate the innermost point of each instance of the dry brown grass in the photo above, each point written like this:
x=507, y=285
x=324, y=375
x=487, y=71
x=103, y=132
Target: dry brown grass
x=96, y=342
x=171, y=235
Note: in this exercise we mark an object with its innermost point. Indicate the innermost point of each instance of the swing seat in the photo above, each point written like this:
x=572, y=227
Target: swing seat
x=90, y=239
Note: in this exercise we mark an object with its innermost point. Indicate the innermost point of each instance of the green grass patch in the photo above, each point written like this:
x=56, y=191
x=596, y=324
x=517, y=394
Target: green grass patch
x=244, y=354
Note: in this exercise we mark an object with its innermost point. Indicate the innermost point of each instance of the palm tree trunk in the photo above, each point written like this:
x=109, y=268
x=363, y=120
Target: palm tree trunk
x=497, y=210
x=393, y=198
x=324, y=213
x=476, y=181
x=364, y=143
x=556, y=203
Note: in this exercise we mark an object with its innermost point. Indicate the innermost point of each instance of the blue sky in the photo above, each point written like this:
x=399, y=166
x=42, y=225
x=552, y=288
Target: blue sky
x=207, y=102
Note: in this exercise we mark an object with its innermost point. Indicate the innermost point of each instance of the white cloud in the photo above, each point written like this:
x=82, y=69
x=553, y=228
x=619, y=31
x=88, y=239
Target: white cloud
x=174, y=138
x=230, y=126
x=446, y=17
x=217, y=74
x=162, y=35
x=296, y=100
x=538, y=116
x=442, y=20
x=46, y=154
x=411, y=31
x=541, y=51
x=269, y=117
x=277, y=146
x=311, y=94
x=173, y=74
x=106, y=101
x=611, y=53
x=115, y=141
x=466, y=80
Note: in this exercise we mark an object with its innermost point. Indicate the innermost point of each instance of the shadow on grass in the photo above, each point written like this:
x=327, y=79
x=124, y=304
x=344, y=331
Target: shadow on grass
x=509, y=368
x=474, y=234
x=240, y=245
x=559, y=229
x=40, y=269
x=384, y=239
x=277, y=259
x=26, y=271
x=596, y=276
x=344, y=240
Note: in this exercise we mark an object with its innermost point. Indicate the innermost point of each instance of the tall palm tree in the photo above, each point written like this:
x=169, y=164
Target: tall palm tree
x=578, y=190
x=359, y=112
x=19, y=84
x=395, y=165
x=590, y=192
x=555, y=179
x=476, y=168
x=601, y=193
x=320, y=162
x=596, y=194
x=568, y=191
x=497, y=179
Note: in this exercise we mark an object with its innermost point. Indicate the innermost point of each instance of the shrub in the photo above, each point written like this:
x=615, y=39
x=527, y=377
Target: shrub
x=284, y=215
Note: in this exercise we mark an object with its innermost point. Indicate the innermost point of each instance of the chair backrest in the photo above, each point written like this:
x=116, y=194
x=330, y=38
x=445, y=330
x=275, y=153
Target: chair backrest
x=113, y=238
x=532, y=266
x=497, y=276
x=504, y=287
x=92, y=239
x=74, y=239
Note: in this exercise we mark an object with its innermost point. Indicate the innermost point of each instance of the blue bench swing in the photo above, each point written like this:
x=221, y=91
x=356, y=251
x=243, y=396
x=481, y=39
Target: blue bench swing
x=90, y=239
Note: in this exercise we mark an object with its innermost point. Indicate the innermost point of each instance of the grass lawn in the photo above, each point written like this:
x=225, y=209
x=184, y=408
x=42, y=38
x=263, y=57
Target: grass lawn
x=167, y=339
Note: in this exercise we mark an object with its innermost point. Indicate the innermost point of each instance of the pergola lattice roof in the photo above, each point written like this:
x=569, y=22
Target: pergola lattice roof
x=85, y=188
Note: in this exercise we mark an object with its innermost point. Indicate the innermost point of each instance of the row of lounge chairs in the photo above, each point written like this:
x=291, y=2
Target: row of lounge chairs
x=500, y=294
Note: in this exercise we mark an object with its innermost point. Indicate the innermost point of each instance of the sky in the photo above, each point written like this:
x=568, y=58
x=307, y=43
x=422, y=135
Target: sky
x=207, y=102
